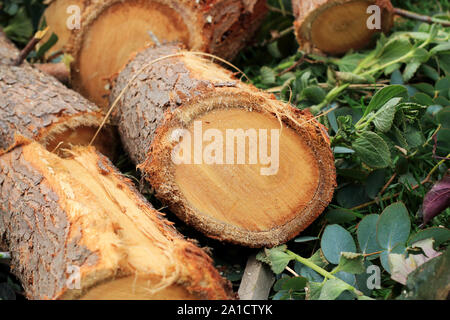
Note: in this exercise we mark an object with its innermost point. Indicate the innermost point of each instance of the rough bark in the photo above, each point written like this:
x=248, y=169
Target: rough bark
x=337, y=26
x=110, y=31
x=8, y=52
x=171, y=94
x=36, y=106
x=76, y=228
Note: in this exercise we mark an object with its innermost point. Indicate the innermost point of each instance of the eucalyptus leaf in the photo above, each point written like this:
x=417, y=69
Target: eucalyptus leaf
x=336, y=240
x=393, y=226
x=438, y=234
x=367, y=235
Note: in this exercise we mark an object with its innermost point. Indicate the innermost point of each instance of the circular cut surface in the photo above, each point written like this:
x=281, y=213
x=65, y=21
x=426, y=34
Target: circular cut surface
x=239, y=194
x=104, y=52
x=342, y=27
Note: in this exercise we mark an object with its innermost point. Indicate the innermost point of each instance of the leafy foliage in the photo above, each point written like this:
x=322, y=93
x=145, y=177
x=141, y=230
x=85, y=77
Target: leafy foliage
x=334, y=268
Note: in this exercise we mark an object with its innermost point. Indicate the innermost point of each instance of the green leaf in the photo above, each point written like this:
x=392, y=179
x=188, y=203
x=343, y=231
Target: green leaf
x=372, y=150
x=384, y=256
x=440, y=235
x=414, y=137
x=422, y=98
x=335, y=240
x=332, y=289
x=278, y=258
x=314, y=289
x=349, y=62
x=305, y=239
x=393, y=226
x=367, y=235
x=442, y=87
x=351, y=262
x=430, y=281
x=47, y=45
x=410, y=70
x=374, y=182
x=290, y=283
x=384, y=95
x=267, y=75
x=421, y=55
x=443, y=117
x=441, y=47
x=395, y=49
x=307, y=272
x=362, y=283
x=339, y=216
x=314, y=94
x=425, y=88
x=20, y=28
x=384, y=117
x=318, y=259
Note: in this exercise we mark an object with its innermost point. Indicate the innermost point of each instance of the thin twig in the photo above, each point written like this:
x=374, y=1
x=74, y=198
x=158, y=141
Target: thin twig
x=277, y=36
x=292, y=271
x=299, y=61
x=420, y=17
x=388, y=183
x=274, y=9
x=29, y=47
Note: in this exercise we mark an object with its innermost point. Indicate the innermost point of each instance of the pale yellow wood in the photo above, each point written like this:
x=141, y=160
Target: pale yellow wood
x=238, y=194
x=105, y=51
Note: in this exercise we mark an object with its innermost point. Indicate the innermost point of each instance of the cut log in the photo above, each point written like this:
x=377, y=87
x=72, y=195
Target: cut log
x=76, y=228
x=38, y=107
x=267, y=170
x=337, y=26
x=114, y=29
x=8, y=52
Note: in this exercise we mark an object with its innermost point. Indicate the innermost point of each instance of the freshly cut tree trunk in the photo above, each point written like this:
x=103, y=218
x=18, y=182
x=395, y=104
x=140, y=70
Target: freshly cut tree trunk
x=36, y=106
x=229, y=189
x=76, y=228
x=337, y=26
x=110, y=31
x=8, y=52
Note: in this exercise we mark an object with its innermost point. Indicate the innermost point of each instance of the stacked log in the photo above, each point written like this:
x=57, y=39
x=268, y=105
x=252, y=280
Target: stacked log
x=74, y=226
x=243, y=192
x=337, y=26
x=110, y=31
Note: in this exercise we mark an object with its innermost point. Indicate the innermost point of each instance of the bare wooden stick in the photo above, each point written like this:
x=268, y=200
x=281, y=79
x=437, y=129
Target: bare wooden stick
x=256, y=281
x=420, y=17
x=29, y=47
